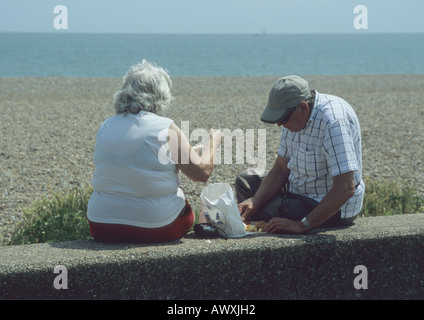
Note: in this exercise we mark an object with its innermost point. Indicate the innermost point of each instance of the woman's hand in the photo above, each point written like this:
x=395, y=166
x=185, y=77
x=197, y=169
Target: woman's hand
x=195, y=167
x=215, y=137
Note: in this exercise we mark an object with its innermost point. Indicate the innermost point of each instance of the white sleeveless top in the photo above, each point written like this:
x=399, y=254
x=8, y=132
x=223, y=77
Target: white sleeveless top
x=132, y=184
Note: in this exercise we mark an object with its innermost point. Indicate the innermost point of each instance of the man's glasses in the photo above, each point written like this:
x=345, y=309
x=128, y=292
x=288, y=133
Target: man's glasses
x=288, y=115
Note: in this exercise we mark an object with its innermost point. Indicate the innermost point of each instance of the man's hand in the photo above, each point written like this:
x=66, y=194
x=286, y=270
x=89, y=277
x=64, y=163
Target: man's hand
x=284, y=225
x=270, y=186
x=247, y=209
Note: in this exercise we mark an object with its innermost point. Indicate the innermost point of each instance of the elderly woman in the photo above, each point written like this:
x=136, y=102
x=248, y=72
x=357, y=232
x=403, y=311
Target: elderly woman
x=137, y=156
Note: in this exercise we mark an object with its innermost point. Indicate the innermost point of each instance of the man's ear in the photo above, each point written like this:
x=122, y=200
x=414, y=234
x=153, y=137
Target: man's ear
x=304, y=106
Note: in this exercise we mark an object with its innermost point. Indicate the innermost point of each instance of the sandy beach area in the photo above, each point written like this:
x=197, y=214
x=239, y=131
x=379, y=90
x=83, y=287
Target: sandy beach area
x=48, y=128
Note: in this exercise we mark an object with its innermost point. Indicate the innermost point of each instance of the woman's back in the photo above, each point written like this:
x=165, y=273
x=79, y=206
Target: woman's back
x=133, y=184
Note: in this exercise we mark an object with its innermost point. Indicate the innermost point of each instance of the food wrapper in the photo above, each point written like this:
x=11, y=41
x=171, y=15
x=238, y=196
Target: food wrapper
x=255, y=226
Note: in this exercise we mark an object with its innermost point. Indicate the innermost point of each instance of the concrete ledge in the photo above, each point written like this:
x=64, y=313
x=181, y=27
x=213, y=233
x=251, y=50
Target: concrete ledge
x=319, y=265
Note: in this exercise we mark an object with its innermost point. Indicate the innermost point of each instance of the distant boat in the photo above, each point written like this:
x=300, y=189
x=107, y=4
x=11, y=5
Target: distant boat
x=260, y=34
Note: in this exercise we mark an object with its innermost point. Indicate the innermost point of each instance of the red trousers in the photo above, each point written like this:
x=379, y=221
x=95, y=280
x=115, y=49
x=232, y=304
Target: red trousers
x=124, y=233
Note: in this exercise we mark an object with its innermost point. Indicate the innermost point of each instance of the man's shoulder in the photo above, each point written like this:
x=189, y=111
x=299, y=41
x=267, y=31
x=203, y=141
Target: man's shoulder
x=330, y=100
x=333, y=108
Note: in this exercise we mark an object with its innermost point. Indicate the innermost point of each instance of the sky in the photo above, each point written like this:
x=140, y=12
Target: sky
x=212, y=16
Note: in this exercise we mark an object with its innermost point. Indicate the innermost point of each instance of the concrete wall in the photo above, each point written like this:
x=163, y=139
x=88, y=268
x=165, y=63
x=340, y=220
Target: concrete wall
x=320, y=265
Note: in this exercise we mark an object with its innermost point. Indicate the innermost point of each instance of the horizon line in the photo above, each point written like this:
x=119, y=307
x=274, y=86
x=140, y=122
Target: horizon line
x=64, y=32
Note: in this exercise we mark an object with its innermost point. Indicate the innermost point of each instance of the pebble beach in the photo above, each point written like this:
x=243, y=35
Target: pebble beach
x=48, y=128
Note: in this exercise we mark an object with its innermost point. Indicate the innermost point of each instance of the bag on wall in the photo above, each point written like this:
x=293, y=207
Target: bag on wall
x=220, y=210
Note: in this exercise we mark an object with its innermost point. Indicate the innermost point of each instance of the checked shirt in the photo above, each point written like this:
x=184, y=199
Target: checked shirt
x=328, y=146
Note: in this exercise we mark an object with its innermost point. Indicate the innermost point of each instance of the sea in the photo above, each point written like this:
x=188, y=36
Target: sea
x=187, y=55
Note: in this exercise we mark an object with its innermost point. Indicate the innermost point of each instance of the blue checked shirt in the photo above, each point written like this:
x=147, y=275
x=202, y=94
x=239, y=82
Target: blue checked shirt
x=328, y=146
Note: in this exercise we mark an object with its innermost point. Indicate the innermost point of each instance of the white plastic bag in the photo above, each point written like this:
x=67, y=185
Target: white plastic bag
x=220, y=208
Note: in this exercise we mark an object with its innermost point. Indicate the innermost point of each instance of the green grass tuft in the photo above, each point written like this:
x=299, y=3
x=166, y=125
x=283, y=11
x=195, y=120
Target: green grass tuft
x=390, y=198
x=55, y=218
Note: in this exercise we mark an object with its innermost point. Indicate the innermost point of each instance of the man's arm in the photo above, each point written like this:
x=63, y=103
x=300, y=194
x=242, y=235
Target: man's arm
x=270, y=186
x=343, y=189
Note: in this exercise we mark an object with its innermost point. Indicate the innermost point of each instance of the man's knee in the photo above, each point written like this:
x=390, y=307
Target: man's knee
x=242, y=187
x=248, y=176
x=247, y=184
x=241, y=179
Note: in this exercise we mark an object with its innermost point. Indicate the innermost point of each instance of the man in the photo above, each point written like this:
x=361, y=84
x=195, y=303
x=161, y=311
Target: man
x=319, y=158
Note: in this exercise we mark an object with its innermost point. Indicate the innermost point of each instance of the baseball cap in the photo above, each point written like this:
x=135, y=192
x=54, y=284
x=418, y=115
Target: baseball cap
x=286, y=93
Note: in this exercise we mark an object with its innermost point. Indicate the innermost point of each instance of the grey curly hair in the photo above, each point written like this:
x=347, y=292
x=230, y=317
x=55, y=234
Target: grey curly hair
x=145, y=87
